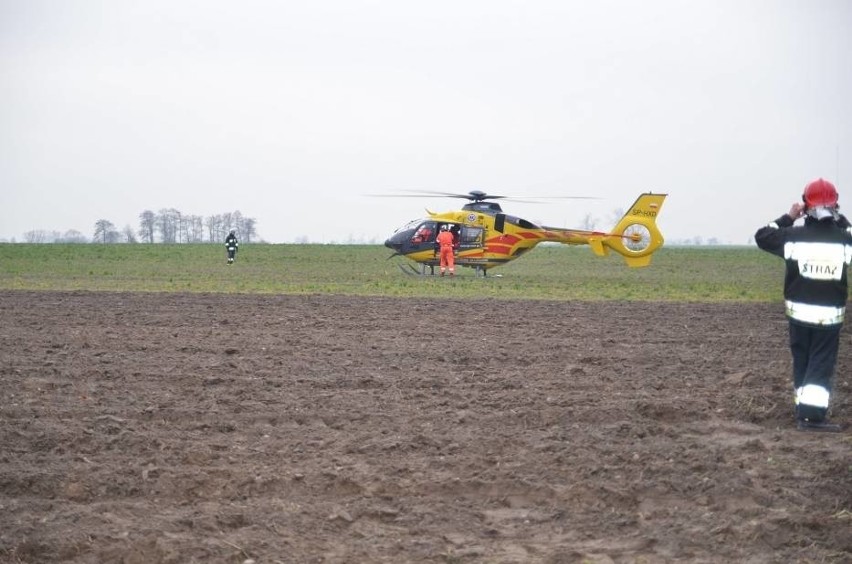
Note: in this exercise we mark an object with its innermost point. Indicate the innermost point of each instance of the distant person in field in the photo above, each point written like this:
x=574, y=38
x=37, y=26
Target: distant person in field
x=232, y=246
x=446, y=246
x=817, y=254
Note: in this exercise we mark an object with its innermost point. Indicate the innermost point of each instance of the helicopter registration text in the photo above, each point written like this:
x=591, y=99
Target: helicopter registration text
x=643, y=213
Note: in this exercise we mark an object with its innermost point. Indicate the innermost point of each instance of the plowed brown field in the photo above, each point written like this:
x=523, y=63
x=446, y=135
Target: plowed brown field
x=153, y=428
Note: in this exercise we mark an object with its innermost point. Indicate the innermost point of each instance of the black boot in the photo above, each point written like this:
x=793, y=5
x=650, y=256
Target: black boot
x=818, y=426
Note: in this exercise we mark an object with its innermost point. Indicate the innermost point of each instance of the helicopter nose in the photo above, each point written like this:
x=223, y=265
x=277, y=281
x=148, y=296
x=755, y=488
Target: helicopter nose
x=400, y=240
x=396, y=241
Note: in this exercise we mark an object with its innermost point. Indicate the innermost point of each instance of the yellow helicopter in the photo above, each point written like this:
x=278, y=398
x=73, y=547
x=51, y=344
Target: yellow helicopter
x=486, y=236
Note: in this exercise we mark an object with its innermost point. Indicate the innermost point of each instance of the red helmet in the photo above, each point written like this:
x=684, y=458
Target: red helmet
x=820, y=193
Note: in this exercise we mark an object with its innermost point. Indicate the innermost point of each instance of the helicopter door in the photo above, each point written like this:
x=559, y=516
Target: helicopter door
x=471, y=238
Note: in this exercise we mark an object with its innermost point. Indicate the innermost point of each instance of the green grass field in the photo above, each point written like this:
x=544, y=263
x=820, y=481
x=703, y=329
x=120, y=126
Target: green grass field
x=548, y=272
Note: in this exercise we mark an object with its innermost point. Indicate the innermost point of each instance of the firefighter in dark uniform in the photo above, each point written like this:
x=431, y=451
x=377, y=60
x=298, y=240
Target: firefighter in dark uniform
x=817, y=255
x=232, y=246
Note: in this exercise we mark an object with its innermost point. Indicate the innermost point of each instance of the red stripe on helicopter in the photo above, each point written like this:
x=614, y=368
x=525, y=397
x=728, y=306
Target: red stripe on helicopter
x=504, y=240
x=499, y=249
x=528, y=235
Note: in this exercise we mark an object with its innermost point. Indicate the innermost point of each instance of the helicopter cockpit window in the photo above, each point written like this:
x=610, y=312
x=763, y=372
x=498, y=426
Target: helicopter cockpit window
x=408, y=226
x=425, y=233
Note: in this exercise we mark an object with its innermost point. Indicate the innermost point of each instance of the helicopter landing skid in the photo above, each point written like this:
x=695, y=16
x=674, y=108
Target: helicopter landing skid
x=411, y=271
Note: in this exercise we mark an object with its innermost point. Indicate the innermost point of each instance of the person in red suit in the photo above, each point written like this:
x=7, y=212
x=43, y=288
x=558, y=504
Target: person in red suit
x=446, y=243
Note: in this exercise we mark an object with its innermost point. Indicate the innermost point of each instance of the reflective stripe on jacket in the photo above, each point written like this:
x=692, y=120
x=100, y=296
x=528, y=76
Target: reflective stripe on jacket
x=817, y=255
x=814, y=314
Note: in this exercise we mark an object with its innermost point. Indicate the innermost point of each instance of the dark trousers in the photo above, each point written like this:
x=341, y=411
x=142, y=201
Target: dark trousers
x=814, y=358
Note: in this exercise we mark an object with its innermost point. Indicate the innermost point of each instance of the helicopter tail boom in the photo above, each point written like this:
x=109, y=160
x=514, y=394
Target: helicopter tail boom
x=636, y=236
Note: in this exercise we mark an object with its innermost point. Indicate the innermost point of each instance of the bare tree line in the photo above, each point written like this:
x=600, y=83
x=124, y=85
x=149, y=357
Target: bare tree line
x=166, y=226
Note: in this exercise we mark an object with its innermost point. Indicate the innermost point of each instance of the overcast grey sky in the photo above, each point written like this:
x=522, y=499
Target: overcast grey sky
x=293, y=111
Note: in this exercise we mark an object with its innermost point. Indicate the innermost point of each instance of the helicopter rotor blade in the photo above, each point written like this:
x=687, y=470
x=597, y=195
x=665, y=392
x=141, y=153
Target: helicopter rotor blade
x=473, y=195
x=564, y=197
x=479, y=196
x=395, y=195
x=545, y=199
